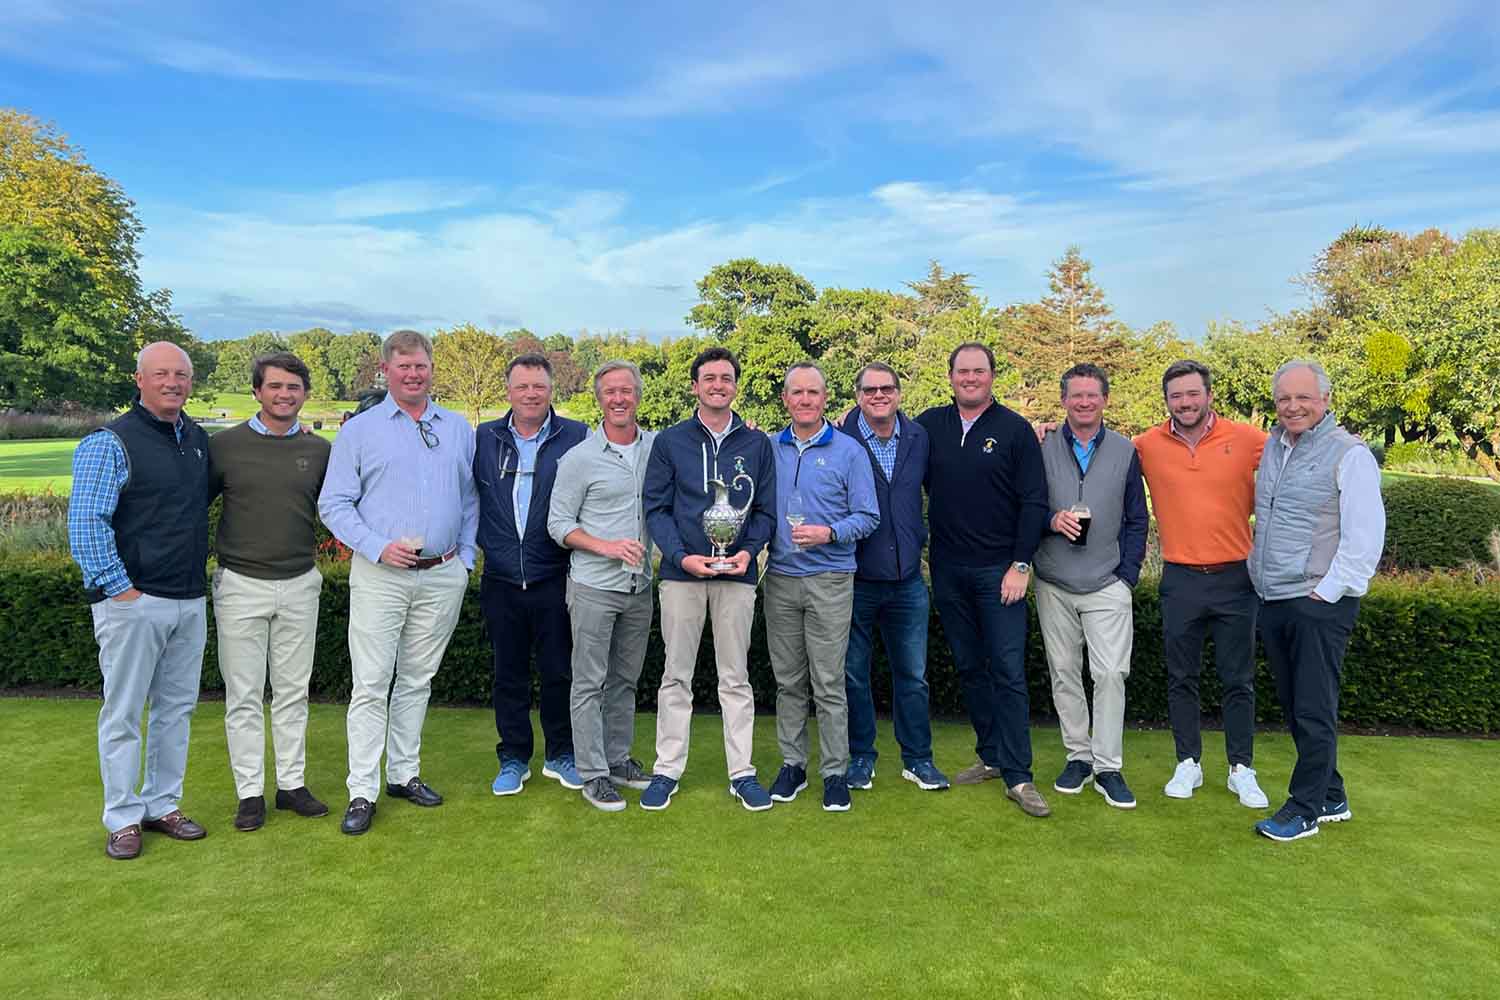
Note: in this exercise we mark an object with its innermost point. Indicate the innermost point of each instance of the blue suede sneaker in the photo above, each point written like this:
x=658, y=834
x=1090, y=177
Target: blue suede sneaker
x=1285, y=827
x=861, y=773
x=1335, y=812
x=562, y=770
x=790, y=780
x=1074, y=776
x=1112, y=786
x=512, y=778
x=925, y=775
x=752, y=796
x=658, y=794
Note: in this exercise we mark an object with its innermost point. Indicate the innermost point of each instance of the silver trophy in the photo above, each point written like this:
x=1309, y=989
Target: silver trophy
x=723, y=520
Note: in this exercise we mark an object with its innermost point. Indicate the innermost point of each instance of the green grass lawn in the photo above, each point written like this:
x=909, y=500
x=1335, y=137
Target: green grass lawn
x=36, y=466
x=909, y=894
x=241, y=405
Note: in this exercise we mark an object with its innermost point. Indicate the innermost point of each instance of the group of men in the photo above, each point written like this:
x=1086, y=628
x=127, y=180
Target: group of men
x=567, y=521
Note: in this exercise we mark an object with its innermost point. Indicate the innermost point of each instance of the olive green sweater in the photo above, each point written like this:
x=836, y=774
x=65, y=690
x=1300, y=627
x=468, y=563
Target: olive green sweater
x=270, y=487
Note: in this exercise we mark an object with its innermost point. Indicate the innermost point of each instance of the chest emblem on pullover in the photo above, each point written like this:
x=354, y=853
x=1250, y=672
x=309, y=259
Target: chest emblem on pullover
x=989, y=446
x=302, y=465
x=739, y=465
x=821, y=461
x=198, y=452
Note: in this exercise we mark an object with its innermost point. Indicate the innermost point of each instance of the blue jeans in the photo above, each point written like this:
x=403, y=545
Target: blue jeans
x=988, y=638
x=899, y=608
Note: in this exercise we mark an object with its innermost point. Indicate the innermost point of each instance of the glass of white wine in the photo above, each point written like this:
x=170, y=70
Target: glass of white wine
x=794, y=515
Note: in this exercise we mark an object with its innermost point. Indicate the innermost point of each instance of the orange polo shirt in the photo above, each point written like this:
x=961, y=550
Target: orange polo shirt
x=1202, y=497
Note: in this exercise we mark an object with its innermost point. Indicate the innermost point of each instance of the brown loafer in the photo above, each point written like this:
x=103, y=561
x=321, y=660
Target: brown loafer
x=1029, y=799
x=976, y=773
x=177, y=826
x=124, y=843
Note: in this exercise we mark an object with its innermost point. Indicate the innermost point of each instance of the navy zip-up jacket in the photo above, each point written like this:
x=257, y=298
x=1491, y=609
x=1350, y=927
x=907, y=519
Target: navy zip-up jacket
x=893, y=551
x=676, y=493
x=495, y=462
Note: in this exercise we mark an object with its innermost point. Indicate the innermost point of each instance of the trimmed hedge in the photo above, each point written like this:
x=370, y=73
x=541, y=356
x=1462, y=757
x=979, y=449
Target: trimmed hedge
x=1425, y=653
x=1439, y=523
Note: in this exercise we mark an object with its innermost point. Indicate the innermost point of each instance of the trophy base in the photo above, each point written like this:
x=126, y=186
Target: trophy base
x=721, y=565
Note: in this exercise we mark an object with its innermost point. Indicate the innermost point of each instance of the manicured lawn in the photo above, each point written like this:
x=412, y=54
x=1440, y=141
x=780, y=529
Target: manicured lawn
x=240, y=405
x=35, y=466
x=910, y=894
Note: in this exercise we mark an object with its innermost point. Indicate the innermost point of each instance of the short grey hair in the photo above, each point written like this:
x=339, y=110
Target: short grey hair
x=619, y=365
x=786, y=382
x=1324, y=385
x=140, y=358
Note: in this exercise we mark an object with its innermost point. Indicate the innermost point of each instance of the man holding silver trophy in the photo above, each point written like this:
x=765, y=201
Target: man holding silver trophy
x=709, y=496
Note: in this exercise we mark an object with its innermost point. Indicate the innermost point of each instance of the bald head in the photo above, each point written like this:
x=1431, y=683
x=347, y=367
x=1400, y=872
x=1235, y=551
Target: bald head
x=164, y=374
x=162, y=352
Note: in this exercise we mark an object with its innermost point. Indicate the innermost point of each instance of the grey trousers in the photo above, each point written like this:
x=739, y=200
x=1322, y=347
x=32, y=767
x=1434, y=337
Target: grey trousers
x=610, y=630
x=807, y=630
x=150, y=650
x=1102, y=623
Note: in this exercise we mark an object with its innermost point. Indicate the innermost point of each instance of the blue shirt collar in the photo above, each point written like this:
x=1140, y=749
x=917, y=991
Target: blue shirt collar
x=259, y=426
x=431, y=412
x=821, y=438
x=868, y=432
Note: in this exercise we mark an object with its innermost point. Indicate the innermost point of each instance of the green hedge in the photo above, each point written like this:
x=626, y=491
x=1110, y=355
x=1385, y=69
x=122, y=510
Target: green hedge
x=1437, y=523
x=1425, y=653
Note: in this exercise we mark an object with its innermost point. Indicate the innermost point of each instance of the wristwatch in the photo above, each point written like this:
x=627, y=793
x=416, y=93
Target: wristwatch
x=1021, y=567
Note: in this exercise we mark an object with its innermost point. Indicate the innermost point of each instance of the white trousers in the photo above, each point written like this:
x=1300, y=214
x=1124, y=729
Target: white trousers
x=400, y=621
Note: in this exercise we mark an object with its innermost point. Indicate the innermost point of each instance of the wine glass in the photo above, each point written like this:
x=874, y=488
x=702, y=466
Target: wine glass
x=794, y=514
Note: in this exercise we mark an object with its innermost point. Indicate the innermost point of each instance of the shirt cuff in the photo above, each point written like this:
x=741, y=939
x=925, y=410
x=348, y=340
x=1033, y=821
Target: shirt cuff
x=1329, y=590
x=372, y=549
x=115, y=584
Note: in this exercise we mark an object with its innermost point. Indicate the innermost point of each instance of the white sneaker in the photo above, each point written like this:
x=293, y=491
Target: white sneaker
x=1187, y=777
x=1242, y=783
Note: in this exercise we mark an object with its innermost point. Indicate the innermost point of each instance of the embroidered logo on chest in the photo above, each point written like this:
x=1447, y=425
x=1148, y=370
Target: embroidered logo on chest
x=739, y=464
x=303, y=464
x=989, y=446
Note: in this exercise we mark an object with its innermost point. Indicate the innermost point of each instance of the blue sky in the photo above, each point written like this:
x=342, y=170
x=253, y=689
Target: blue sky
x=580, y=165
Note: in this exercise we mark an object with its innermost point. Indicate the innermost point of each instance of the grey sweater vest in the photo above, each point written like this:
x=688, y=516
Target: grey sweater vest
x=1083, y=569
x=1297, y=510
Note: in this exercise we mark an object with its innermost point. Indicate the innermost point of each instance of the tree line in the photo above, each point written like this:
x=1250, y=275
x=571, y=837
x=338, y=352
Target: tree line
x=1408, y=326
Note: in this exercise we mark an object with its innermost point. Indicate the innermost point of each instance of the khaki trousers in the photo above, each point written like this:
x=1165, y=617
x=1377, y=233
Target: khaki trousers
x=807, y=630
x=731, y=608
x=1102, y=622
x=266, y=628
x=400, y=621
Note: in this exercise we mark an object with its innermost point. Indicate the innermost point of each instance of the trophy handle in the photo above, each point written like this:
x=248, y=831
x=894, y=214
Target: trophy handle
x=745, y=510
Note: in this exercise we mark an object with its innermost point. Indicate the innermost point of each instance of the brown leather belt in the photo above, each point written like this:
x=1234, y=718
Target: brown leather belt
x=432, y=561
x=1211, y=567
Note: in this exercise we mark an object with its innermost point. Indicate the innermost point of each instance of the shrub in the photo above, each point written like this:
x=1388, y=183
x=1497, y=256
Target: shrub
x=1425, y=458
x=1424, y=654
x=24, y=426
x=1438, y=523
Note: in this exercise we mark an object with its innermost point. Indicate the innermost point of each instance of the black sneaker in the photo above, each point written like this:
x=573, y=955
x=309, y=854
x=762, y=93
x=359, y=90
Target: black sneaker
x=835, y=794
x=630, y=774
x=1110, y=785
x=251, y=814
x=301, y=802
x=790, y=780
x=600, y=793
x=1077, y=774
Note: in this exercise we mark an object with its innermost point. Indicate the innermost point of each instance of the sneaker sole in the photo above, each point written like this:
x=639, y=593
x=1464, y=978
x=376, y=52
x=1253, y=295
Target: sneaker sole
x=514, y=791
x=1111, y=800
x=924, y=785
x=756, y=809
x=1076, y=790
x=1338, y=817
x=843, y=808
x=777, y=798
x=664, y=805
x=556, y=776
x=639, y=786
x=1310, y=831
x=609, y=807
x=867, y=785
x=1261, y=803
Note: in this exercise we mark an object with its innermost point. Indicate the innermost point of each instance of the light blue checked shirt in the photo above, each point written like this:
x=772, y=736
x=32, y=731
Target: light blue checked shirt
x=384, y=483
x=100, y=472
x=525, y=477
x=884, y=451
